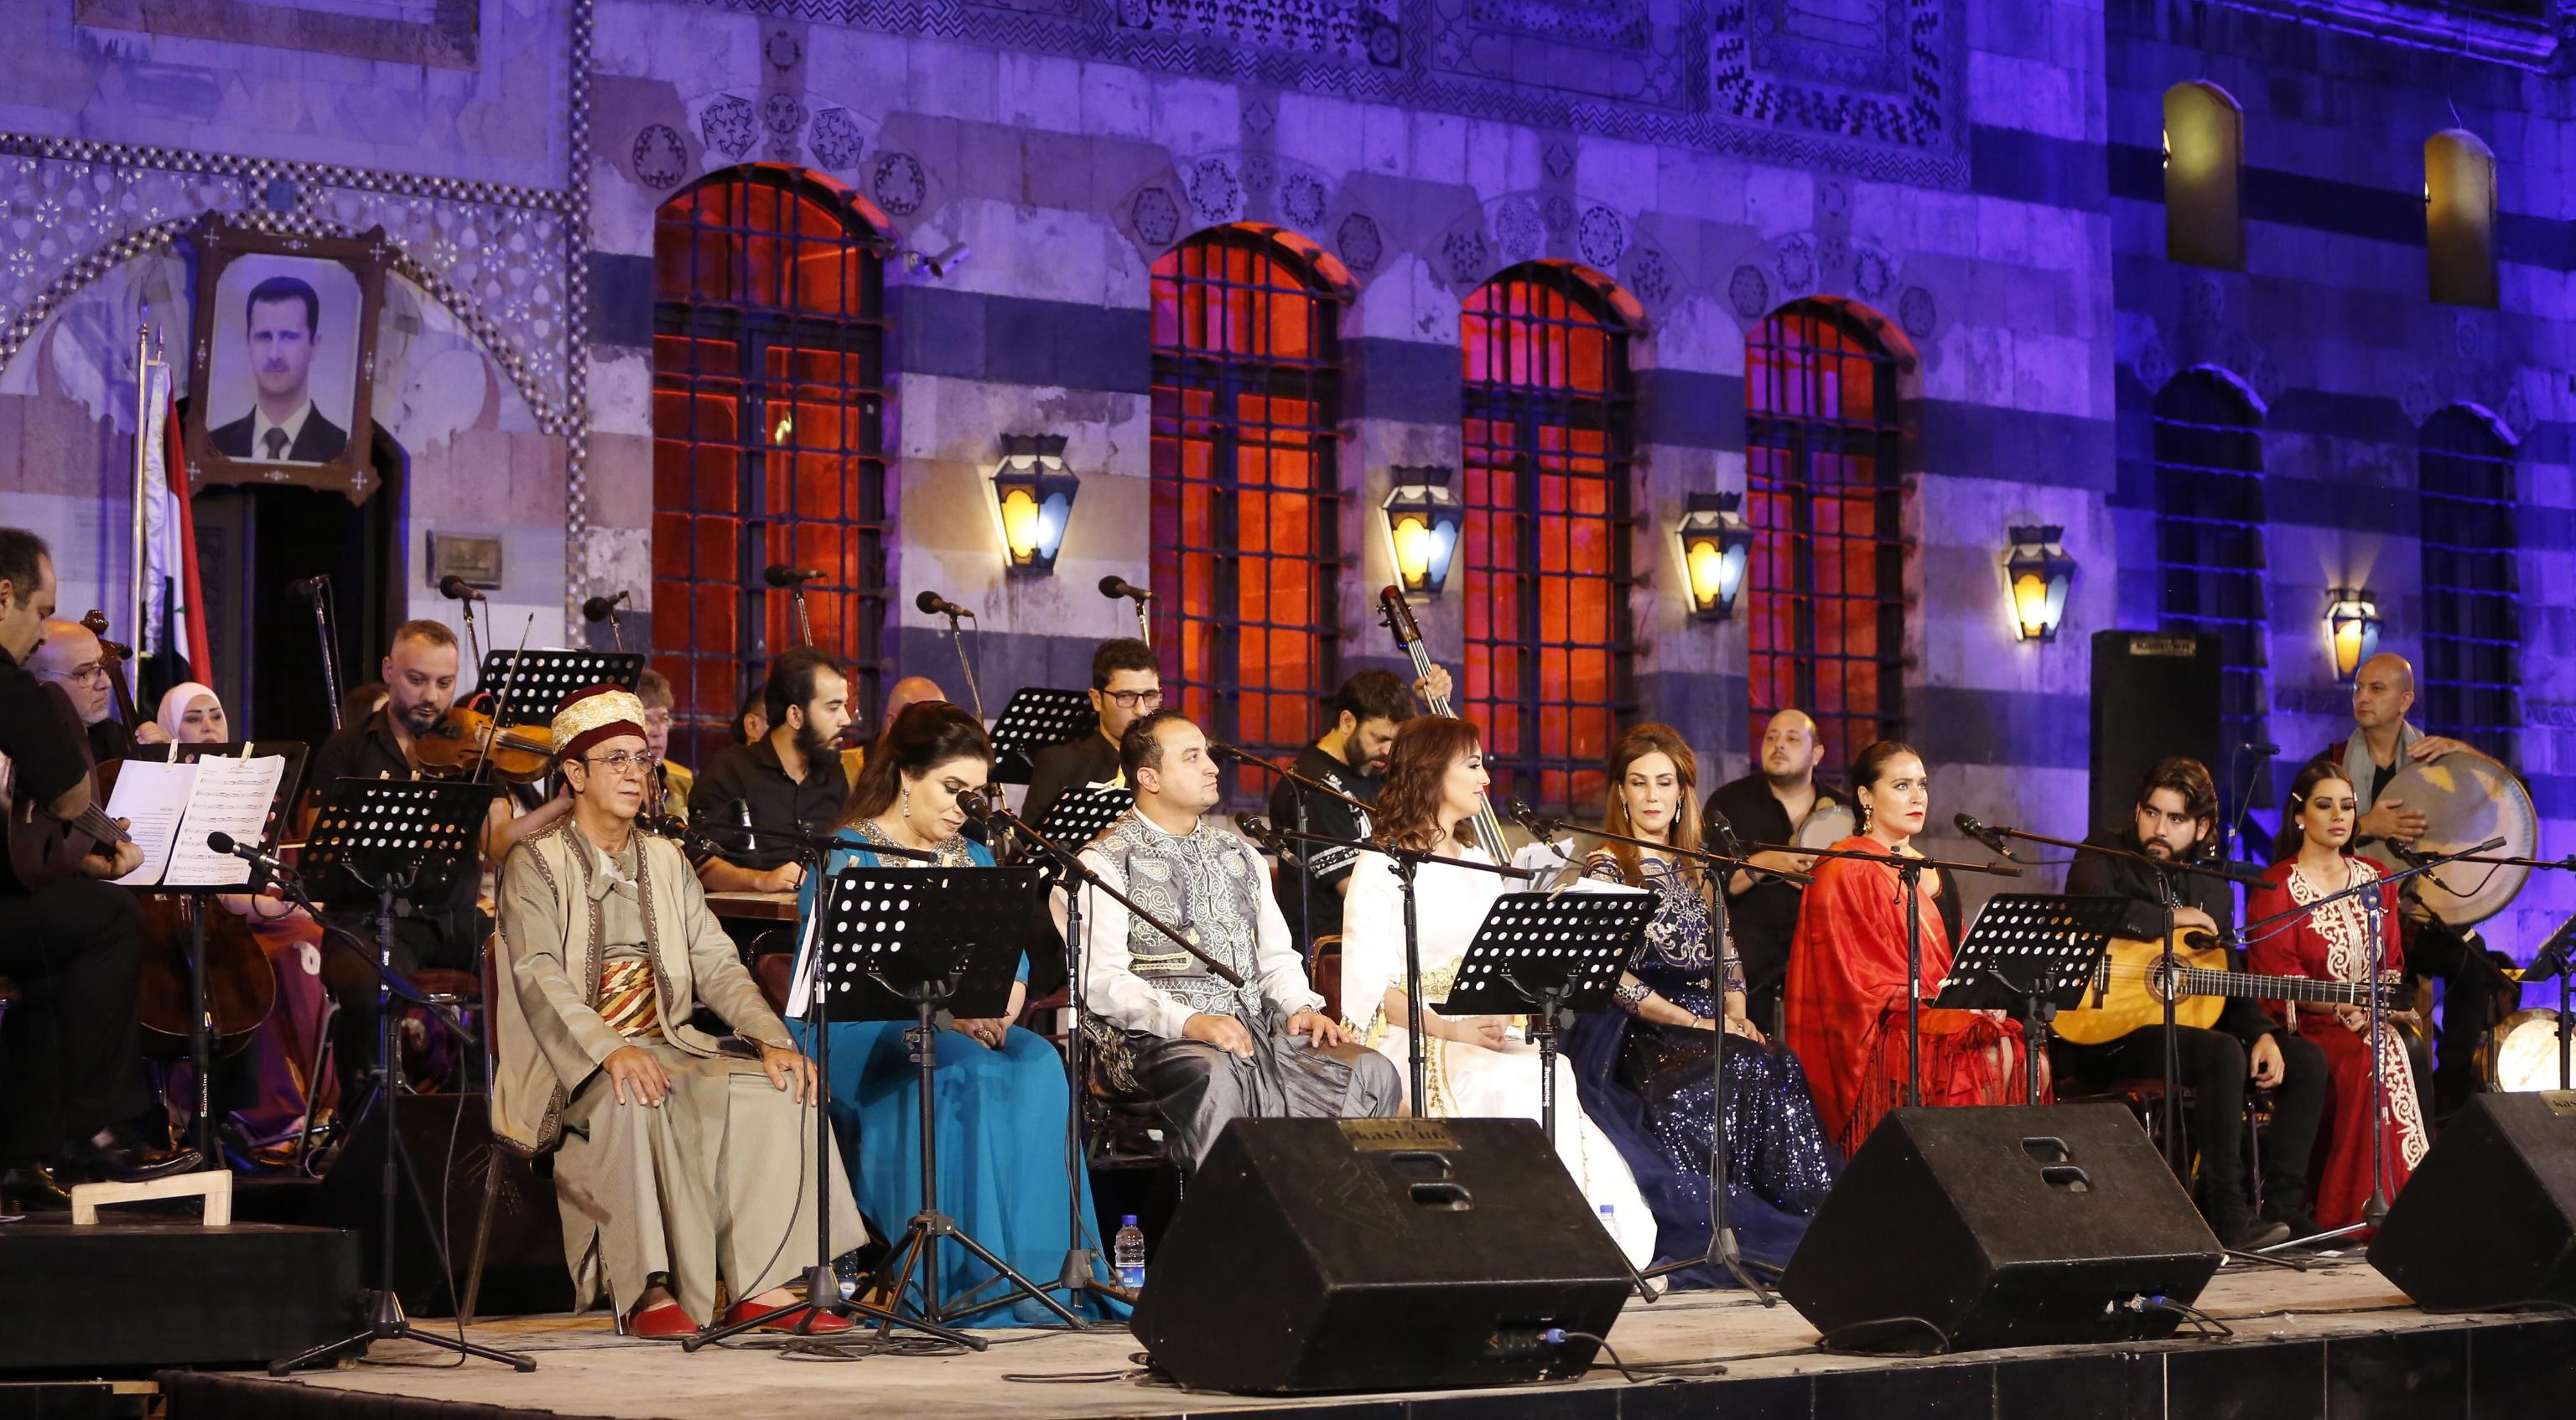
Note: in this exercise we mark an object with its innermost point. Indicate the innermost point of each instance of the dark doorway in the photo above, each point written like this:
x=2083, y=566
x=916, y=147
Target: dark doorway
x=253, y=542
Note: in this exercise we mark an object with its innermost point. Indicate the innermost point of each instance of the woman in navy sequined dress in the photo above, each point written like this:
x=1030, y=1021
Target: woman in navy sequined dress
x=1644, y=1069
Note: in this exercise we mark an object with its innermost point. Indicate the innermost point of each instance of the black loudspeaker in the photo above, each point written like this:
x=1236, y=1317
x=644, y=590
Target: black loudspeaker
x=2155, y=694
x=447, y=1141
x=2489, y=1221
x=1379, y=1254
x=2019, y=1225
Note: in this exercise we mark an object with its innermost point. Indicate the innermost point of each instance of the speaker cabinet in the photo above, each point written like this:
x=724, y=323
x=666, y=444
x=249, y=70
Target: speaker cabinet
x=2490, y=1219
x=2155, y=694
x=1379, y=1254
x=2000, y=1226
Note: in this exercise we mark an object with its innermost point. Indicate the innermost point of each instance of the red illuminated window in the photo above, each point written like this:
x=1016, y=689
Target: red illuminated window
x=768, y=438
x=1247, y=397
x=1825, y=597
x=1546, y=458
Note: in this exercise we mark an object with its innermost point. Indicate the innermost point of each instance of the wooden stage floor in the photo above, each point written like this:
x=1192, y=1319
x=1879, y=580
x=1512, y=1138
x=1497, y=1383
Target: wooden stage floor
x=2334, y=1342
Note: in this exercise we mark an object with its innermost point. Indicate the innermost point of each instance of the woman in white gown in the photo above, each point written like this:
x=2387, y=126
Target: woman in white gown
x=1475, y=1066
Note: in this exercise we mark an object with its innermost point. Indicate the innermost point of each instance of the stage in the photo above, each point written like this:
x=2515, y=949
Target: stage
x=2335, y=1342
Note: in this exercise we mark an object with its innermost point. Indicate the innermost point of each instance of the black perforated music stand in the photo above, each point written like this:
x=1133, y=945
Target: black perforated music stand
x=2032, y=954
x=1037, y=718
x=546, y=677
x=905, y=944
x=1546, y=954
x=1079, y=816
x=398, y=839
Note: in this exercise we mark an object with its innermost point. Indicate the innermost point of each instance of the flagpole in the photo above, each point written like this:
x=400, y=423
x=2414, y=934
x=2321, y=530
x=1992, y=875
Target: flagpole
x=135, y=631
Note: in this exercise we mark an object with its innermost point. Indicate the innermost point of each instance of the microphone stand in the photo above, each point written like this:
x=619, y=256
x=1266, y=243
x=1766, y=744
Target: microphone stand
x=473, y=642
x=1909, y=879
x=956, y=638
x=2375, y=908
x=2167, y=967
x=1299, y=786
x=2553, y=960
x=2244, y=789
x=1408, y=862
x=1076, y=1275
x=318, y=598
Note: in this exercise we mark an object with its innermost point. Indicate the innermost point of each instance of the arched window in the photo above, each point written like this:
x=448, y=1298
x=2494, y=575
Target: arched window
x=2209, y=533
x=768, y=438
x=2204, y=159
x=1826, y=587
x=2472, y=593
x=1247, y=400
x=1546, y=457
x=2459, y=218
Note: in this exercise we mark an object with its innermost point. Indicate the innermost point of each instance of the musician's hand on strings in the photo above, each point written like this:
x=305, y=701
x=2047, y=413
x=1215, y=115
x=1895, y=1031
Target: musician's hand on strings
x=2390, y=818
x=638, y=1077
x=2265, y=1061
x=2428, y=748
x=1318, y=1028
x=1433, y=685
x=2192, y=919
x=2354, y=1018
x=1224, y=1032
x=113, y=861
x=786, y=1069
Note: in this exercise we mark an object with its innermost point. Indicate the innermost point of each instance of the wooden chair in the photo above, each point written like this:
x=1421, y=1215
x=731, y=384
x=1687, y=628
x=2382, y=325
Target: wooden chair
x=1324, y=972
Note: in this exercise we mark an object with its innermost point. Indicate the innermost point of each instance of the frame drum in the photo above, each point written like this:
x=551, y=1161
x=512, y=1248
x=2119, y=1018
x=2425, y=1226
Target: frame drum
x=2525, y=1051
x=2466, y=799
x=1828, y=823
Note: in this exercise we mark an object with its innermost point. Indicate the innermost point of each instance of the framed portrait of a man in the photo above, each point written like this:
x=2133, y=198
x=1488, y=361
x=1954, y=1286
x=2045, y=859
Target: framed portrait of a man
x=282, y=359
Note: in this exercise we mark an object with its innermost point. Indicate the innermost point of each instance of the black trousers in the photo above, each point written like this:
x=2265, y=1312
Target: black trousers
x=349, y=974
x=2476, y=995
x=2213, y=1063
x=68, y=1062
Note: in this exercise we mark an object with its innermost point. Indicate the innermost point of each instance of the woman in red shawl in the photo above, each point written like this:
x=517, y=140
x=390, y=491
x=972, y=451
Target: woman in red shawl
x=1847, y=972
x=2332, y=943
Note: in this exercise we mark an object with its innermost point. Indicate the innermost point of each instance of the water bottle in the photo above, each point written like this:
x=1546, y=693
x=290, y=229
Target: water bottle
x=1610, y=1219
x=1128, y=1253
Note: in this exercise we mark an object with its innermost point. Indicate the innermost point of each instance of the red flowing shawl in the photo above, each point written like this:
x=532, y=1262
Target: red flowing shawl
x=1846, y=1001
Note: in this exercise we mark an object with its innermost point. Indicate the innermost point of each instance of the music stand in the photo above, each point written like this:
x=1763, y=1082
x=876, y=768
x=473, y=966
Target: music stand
x=1081, y=815
x=2032, y=954
x=546, y=677
x=1037, y=718
x=200, y=1032
x=397, y=838
x=1545, y=954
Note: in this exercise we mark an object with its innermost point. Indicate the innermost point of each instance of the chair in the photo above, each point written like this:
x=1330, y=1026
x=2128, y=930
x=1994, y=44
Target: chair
x=1324, y=972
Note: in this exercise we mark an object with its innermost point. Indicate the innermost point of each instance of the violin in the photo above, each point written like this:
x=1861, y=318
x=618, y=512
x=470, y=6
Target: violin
x=465, y=738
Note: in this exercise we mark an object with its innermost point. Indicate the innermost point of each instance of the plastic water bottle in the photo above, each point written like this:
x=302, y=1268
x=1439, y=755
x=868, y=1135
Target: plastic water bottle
x=1610, y=1219
x=1128, y=1252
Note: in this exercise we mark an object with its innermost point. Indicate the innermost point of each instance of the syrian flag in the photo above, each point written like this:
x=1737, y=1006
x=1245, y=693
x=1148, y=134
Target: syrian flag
x=174, y=619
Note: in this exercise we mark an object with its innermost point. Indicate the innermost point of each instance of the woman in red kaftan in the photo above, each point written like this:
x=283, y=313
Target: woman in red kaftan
x=1847, y=973
x=2332, y=943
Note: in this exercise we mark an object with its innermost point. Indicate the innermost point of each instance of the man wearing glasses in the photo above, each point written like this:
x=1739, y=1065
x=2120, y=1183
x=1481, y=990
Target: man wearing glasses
x=71, y=657
x=1125, y=684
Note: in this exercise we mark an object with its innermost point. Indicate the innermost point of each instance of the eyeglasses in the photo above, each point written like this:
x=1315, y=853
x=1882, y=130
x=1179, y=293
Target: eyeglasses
x=1136, y=699
x=95, y=670
x=622, y=762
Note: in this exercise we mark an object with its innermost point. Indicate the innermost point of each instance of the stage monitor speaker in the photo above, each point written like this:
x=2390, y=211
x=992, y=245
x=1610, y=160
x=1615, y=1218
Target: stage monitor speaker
x=2000, y=1226
x=2489, y=1220
x=1379, y=1254
x=447, y=1141
x=2155, y=694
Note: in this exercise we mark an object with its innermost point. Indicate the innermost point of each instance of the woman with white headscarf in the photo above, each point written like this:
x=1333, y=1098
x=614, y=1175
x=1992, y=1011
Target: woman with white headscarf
x=191, y=713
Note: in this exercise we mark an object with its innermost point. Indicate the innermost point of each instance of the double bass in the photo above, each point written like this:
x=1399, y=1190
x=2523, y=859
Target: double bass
x=1398, y=616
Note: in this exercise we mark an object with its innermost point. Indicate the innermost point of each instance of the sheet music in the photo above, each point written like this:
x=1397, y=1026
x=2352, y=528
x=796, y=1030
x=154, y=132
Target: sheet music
x=152, y=797
x=231, y=796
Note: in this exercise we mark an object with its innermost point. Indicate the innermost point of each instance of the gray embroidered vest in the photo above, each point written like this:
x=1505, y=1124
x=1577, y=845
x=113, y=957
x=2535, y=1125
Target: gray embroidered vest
x=1207, y=886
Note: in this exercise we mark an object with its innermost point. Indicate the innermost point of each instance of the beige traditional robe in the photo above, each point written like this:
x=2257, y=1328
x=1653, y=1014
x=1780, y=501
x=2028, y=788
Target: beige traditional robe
x=718, y=1181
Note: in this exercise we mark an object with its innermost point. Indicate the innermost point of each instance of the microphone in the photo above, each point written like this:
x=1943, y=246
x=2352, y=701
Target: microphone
x=1259, y=830
x=933, y=604
x=310, y=587
x=1544, y=830
x=222, y=842
x=1993, y=839
x=599, y=608
x=1114, y=586
x=454, y=589
x=742, y=820
x=779, y=574
x=973, y=802
x=2260, y=751
x=1727, y=842
x=1222, y=750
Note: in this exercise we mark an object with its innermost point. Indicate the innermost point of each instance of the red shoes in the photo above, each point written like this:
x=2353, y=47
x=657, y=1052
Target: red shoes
x=665, y=1322
x=791, y=1317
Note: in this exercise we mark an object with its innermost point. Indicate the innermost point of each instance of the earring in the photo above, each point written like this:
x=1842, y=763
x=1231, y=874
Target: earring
x=903, y=800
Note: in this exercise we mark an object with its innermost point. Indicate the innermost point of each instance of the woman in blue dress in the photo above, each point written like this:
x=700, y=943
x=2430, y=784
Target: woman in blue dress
x=1643, y=1068
x=999, y=1090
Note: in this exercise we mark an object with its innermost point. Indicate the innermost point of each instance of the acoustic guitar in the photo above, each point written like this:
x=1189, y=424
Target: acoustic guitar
x=42, y=848
x=2126, y=996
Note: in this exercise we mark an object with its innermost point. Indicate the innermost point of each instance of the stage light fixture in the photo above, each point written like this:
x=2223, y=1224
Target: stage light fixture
x=1715, y=543
x=1035, y=492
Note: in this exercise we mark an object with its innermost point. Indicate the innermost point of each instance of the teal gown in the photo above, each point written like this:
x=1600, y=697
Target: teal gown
x=1001, y=1121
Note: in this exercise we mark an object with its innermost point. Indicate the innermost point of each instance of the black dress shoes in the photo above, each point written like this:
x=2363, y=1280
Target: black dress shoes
x=121, y=1162
x=32, y=1189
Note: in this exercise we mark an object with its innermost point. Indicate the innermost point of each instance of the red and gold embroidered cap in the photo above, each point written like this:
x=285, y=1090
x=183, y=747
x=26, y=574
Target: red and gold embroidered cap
x=593, y=714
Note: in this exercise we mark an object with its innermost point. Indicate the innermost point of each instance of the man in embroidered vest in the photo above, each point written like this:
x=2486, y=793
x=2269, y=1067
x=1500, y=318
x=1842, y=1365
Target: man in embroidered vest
x=1173, y=1034
x=682, y=1159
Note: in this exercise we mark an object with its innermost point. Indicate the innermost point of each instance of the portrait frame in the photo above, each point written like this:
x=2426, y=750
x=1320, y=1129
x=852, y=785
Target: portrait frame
x=344, y=277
